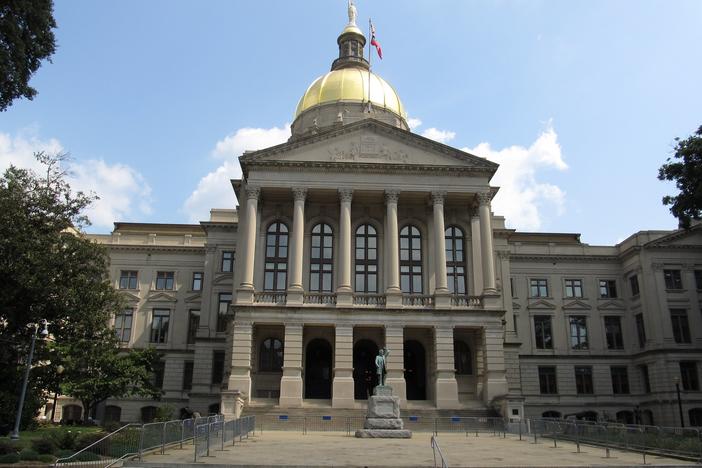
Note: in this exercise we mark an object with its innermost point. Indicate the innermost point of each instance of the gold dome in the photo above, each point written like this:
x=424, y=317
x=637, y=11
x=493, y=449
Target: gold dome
x=351, y=85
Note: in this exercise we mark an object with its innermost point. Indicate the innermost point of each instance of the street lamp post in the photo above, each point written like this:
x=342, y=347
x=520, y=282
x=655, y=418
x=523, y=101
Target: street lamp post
x=677, y=388
x=14, y=435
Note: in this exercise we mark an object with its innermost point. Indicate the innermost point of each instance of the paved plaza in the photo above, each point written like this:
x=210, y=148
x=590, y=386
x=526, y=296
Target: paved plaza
x=279, y=448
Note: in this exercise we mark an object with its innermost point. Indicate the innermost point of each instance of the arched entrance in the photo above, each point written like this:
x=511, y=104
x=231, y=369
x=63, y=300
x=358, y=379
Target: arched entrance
x=415, y=370
x=318, y=369
x=365, y=377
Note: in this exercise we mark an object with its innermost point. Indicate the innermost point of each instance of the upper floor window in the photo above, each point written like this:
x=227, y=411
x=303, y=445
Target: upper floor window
x=462, y=359
x=276, y=268
x=193, y=325
x=223, y=307
x=411, y=260
x=455, y=261
x=673, y=279
x=613, y=332
x=620, y=380
x=547, y=380
x=270, y=357
x=164, y=280
x=538, y=287
x=688, y=372
x=188, y=368
x=640, y=330
x=681, y=327
x=645, y=380
x=366, y=259
x=542, y=331
x=578, y=332
x=573, y=288
x=698, y=279
x=159, y=373
x=608, y=289
x=321, y=258
x=197, y=280
x=634, y=283
x=123, y=325
x=128, y=279
x=227, y=261
x=217, y=367
x=159, y=325
x=583, y=380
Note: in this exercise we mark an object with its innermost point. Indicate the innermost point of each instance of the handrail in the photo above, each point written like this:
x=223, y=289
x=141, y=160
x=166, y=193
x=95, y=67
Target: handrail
x=435, y=448
x=86, y=449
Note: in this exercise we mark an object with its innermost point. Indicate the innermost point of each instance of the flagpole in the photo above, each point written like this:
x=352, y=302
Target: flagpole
x=370, y=56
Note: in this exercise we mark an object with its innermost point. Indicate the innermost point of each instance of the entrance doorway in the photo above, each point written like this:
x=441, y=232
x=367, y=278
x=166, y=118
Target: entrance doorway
x=318, y=366
x=415, y=370
x=365, y=377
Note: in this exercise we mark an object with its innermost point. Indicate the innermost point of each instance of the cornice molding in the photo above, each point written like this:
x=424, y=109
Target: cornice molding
x=159, y=248
x=564, y=258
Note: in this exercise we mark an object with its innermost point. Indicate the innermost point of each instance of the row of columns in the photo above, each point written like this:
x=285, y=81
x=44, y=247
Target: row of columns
x=481, y=232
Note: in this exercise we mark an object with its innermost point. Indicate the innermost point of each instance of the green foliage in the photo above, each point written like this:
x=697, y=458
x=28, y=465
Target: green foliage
x=9, y=458
x=88, y=438
x=65, y=439
x=7, y=446
x=28, y=455
x=164, y=413
x=44, y=445
x=46, y=458
x=87, y=456
x=685, y=168
x=26, y=38
x=65, y=453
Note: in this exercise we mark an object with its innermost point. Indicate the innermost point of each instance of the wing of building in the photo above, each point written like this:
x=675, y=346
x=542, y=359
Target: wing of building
x=358, y=234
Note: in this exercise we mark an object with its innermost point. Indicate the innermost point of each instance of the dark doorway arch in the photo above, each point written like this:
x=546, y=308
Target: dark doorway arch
x=415, y=370
x=365, y=377
x=318, y=369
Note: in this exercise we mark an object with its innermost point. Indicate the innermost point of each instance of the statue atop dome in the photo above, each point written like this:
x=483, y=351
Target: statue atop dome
x=352, y=13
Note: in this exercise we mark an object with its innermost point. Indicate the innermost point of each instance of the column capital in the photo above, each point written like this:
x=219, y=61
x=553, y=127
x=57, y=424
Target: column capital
x=346, y=195
x=484, y=198
x=299, y=193
x=438, y=197
x=392, y=195
x=253, y=192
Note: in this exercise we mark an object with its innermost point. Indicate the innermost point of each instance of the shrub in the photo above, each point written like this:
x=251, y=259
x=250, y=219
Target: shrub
x=29, y=455
x=88, y=438
x=46, y=458
x=112, y=426
x=65, y=453
x=88, y=456
x=44, y=445
x=9, y=458
x=7, y=447
x=65, y=438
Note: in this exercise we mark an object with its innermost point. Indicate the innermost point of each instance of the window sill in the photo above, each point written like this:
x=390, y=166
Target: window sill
x=540, y=297
x=675, y=291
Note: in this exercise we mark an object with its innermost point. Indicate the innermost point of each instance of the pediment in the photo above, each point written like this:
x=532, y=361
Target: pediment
x=194, y=298
x=576, y=305
x=611, y=305
x=368, y=142
x=161, y=297
x=129, y=297
x=223, y=278
x=681, y=238
x=541, y=305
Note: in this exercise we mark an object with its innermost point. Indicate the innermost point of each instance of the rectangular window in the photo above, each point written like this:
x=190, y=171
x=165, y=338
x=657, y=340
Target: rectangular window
x=193, y=324
x=681, y=328
x=511, y=287
x=164, y=280
x=159, y=325
x=698, y=279
x=673, y=279
x=634, y=283
x=159, y=372
x=578, y=332
x=573, y=288
x=123, y=325
x=643, y=368
x=542, y=331
x=688, y=374
x=641, y=330
x=547, y=380
x=188, y=375
x=608, y=289
x=583, y=380
x=224, y=300
x=613, y=331
x=217, y=367
x=197, y=280
x=538, y=287
x=128, y=279
x=227, y=261
x=620, y=380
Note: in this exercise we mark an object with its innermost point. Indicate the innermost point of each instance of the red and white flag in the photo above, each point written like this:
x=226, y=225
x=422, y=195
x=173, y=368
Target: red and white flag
x=375, y=43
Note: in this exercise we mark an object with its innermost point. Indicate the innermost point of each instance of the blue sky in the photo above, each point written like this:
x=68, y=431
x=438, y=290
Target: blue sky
x=578, y=101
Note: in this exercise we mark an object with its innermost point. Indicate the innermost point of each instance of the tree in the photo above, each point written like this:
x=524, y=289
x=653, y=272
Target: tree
x=26, y=38
x=50, y=270
x=685, y=168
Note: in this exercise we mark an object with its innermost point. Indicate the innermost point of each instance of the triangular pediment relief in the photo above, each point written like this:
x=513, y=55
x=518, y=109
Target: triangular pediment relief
x=681, y=238
x=611, y=305
x=367, y=142
x=223, y=278
x=541, y=305
x=161, y=297
x=129, y=297
x=516, y=306
x=194, y=298
x=577, y=305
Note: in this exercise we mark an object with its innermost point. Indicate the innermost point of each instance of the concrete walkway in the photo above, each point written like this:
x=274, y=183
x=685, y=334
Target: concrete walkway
x=292, y=449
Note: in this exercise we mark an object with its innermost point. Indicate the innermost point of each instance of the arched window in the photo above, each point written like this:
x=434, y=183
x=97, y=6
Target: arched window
x=148, y=414
x=410, y=260
x=455, y=261
x=366, y=259
x=270, y=356
x=321, y=258
x=113, y=413
x=462, y=359
x=276, y=271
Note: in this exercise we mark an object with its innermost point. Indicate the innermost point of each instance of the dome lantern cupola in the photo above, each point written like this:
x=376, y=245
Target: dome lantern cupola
x=351, y=44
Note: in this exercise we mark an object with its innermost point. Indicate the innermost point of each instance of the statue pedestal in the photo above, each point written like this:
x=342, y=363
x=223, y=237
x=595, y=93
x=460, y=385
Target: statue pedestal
x=383, y=417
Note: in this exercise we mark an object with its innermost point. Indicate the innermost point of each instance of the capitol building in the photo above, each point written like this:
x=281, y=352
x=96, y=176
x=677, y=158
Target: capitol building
x=358, y=234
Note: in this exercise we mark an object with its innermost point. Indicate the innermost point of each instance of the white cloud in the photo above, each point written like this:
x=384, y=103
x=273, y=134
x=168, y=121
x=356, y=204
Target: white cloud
x=522, y=197
x=214, y=190
x=122, y=190
x=442, y=136
x=414, y=123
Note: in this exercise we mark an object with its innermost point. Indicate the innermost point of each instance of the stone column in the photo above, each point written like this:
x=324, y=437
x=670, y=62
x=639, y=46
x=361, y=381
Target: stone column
x=240, y=376
x=392, y=292
x=494, y=378
x=446, y=393
x=343, y=385
x=291, y=382
x=475, y=246
x=442, y=298
x=247, y=252
x=344, y=293
x=395, y=342
x=297, y=242
x=486, y=244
